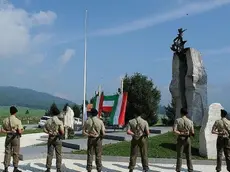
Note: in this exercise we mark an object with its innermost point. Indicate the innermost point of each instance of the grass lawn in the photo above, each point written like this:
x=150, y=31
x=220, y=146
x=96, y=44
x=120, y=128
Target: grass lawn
x=32, y=118
x=30, y=131
x=161, y=146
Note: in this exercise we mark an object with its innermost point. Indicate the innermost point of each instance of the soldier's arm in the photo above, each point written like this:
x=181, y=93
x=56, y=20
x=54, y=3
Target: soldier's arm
x=20, y=127
x=103, y=128
x=192, y=131
x=3, y=129
x=84, y=132
x=61, y=128
x=175, y=130
x=45, y=128
x=214, y=128
x=147, y=128
x=129, y=132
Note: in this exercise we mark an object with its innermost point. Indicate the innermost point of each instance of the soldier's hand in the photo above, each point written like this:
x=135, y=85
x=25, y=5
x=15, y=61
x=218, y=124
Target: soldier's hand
x=50, y=133
x=13, y=131
x=186, y=133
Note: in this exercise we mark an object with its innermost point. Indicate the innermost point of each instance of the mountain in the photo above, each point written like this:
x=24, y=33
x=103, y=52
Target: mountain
x=161, y=109
x=29, y=98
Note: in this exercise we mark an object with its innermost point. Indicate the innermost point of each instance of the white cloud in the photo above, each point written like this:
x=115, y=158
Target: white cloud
x=68, y=54
x=41, y=38
x=180, y=12
x=15, y=31
x=43, y=18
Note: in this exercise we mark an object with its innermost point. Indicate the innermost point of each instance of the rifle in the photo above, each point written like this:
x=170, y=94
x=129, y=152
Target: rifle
x=17, y=131
x=60, y=135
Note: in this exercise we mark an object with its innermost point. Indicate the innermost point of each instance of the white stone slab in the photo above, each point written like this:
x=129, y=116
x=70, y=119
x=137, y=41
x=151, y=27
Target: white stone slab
x=207, y=139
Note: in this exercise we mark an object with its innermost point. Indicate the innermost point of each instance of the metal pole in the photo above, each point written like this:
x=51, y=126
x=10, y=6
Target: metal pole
x=84, y=115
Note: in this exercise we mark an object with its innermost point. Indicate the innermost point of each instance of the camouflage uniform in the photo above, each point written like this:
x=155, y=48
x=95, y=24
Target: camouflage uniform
x=140, y=139
x=223, y=142
x=184, y=124
x=12, y=142
x=95, y=128
x=53, y=126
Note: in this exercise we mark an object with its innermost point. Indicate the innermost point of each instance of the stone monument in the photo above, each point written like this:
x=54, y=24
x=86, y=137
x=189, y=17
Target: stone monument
x=207, y=140
x=68, y=119
x=189, y=80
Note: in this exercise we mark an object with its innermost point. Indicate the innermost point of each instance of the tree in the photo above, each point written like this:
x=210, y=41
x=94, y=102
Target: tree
x=143, y=97
x=86, y=103
x=27, y=112
x=65, y=107
x=76, y=111
x=170, y=112
x=92, y=100
x=53, y=108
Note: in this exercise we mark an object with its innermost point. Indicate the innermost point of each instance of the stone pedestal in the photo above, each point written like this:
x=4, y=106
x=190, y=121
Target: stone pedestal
x=190, y=74
x=206, y=138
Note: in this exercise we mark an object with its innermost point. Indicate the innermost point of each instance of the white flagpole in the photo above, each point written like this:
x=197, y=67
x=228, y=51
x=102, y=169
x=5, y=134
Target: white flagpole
x=122, y=84
x=84, y=115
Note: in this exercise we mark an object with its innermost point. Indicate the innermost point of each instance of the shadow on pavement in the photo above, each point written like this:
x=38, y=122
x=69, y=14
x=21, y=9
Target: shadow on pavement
x=172, y=146
x=137, y=168
x=171, y=168
x=28, y=167
x=64, y=168
x=103, y=168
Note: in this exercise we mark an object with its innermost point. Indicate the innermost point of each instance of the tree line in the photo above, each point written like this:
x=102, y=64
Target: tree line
x=143, y=99
x=75, y=108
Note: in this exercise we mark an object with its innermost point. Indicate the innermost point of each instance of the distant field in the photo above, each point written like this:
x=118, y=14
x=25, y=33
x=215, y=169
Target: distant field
x=32, y=118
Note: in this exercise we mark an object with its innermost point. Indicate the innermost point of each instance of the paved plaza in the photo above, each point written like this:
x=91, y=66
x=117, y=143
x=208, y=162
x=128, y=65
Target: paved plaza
x=34, y=159
x=71, y=165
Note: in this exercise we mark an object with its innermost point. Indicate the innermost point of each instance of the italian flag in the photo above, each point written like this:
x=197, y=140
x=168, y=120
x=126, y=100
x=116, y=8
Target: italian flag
x=115, y=104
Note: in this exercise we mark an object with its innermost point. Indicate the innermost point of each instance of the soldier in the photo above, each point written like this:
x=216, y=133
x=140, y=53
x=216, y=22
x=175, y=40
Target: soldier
x=184, y=128
x=55, y=128
x=138, y=128
x=95, y=130
x=222, y=129
x=12, y=126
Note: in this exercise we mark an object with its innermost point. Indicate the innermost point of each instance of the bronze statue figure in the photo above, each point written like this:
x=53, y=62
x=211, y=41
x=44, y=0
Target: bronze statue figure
x=178, y=42
x=179, y=49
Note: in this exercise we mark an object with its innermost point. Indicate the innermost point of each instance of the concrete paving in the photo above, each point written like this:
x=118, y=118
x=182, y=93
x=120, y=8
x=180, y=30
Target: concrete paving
x=70, y=165
x=34, y=158
x=82, y=142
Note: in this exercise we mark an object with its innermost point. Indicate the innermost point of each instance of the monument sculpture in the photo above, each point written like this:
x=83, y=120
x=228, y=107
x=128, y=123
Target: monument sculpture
x=68, y=119
x=188, y=86
x=207, y=140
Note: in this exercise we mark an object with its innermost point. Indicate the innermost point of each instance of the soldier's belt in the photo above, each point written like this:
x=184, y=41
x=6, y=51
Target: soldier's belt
x=93, y=137
x=184, y=135
x=13, y=134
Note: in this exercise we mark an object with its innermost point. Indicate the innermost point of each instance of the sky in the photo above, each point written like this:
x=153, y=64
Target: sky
x=42, y=44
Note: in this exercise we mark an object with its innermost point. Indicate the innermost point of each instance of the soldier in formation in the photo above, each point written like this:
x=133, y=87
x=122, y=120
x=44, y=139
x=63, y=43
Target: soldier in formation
x=184, y=128
x=55, y=129
x=221, y=127
x=12, y=126
x=95, y=130
x=138, y=128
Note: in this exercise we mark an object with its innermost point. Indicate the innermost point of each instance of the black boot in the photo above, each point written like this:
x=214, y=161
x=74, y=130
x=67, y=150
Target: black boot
x=17, y=170
x=58, y=170
x=6, y=170
x=48, y=170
